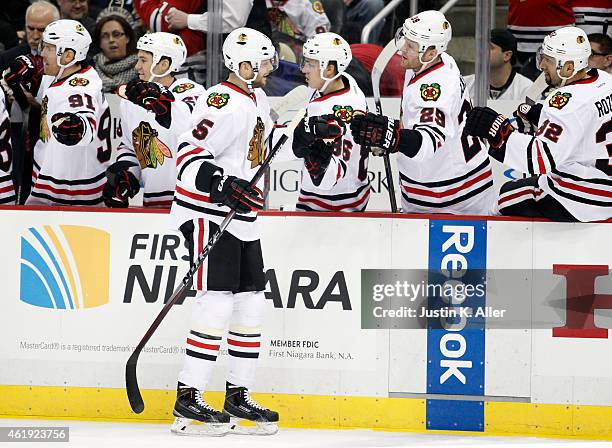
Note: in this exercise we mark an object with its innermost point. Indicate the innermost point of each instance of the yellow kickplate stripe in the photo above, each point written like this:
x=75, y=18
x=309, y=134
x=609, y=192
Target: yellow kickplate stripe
x=311, y=411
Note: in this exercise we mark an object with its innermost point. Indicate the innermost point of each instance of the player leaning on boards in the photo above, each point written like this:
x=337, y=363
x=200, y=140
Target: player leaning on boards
x=441, y=171
x=569, y=158
x=230, y=125
x=156, y=111
x=75, y=145
x=343, y=184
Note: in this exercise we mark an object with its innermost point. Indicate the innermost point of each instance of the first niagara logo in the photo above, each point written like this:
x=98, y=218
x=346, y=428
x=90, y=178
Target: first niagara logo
x=65, y=267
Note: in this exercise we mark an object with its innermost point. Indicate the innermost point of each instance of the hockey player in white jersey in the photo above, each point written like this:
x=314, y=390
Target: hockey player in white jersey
x=441, y=171
x=335, y=174
x=7, y=189
x=570, y=156
x=217, y=157
x=75, y=145
x=154, y=114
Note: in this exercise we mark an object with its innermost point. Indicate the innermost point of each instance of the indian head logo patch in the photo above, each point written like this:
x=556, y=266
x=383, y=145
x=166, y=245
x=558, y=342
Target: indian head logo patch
x=256, y=146
x=217, y=100
x=78, y=82
x=559, y=100
x=183, y=87
x=430, y=92
x=343, y=113
x=150, y=150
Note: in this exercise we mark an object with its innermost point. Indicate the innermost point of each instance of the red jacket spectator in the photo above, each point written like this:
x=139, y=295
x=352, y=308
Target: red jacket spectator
x=593, y=16
x=152, y=13
x=532, y=20
x=392, y=80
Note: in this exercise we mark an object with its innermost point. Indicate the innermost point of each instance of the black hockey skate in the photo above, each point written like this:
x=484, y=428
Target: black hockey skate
x=190, y=406
x=240, y=406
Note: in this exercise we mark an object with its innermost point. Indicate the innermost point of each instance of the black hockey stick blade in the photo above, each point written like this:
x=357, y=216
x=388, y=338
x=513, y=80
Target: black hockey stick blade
x=377, y=70
x=131, y=377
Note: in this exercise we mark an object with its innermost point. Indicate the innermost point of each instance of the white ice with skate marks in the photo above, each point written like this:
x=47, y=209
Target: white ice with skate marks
x=135, y=435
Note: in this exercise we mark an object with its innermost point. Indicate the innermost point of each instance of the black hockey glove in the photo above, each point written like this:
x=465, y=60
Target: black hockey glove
x=121, y=185
x=485, y=122
x=317, y=160
x=527, y=117
x=22, y=70
x=236, y=193
x=150, y=96
x=67, y=128
x=376, y=131
x=310, y=129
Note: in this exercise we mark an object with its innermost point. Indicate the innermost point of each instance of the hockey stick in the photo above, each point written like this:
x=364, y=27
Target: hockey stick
x=379, y=67
x=534, y=92
x=131, y=380
x=295, y=98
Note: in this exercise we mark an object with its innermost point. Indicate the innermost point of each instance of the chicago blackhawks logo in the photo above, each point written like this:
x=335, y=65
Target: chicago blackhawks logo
x=317, y=6
x=78, y=82
x=149, y=148
x=343, y=113
x=183, y=87
x=559, y=100
x=256, y=147
x=430, y=92
x=44, y=128
x=217, y=100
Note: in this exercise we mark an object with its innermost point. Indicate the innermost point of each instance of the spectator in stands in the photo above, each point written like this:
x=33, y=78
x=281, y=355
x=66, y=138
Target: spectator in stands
x=361, y=12
x=593, y=16
x=532, y=20
x=392, y=80
x=235, y=15
x=117, y=61
x=12, y=22
x=78, y=10
x=38, y=15
x=154, y=14
x=505, y=82
x=601, y=52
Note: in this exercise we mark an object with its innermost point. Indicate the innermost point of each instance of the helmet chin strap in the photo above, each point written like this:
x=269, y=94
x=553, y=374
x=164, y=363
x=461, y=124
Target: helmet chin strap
x=564, y=79
x=249, y=82
x=424, y=64
x=154, y=75
x=62, y=67
x=327, y=80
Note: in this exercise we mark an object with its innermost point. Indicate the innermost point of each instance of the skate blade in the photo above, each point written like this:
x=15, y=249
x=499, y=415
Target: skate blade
x=186, y=427
x=254, y=429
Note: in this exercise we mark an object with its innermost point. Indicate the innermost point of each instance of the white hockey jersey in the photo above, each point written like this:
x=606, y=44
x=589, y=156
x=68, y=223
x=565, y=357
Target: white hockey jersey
x=152, y=148
x=572, y=149
x=450, y=173
x=229, y=128
x=349, y=191
x=72, y=175
x=515, y=88
x=300, y=19
x=7, y=189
